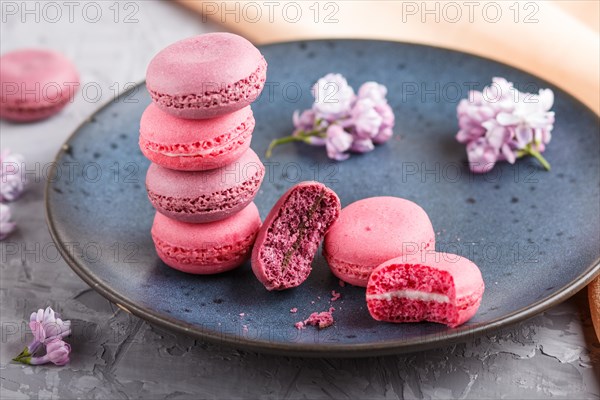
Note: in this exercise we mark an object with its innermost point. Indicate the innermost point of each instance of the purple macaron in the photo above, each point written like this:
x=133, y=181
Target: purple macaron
x=35, y=84
x=205, y=196
x=206, y=76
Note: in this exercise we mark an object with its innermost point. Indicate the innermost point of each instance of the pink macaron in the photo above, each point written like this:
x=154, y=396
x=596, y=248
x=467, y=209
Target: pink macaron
x=372, y=231
x=195, y=145
x=35, y=84
x=291, y=234
x=205, y=196
x=435, y=287
x=206, y=248
x=206, y=76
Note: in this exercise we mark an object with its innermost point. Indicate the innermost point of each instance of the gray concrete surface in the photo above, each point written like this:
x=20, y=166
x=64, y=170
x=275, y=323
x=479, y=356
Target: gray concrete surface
x=116, y=355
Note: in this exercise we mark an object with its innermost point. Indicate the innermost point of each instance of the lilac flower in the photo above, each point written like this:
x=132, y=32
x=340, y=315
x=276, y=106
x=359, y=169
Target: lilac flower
x=305, y=123
x=367, y=121
x=338, y=142
x=387, y=123
x=531, y=119
x=12, y=183
x=333, y=97
x=501, y=123
x=57, y=352
x=482, y=156
x=342, y=121
x=6, y=225
x=383, y=136
x=47, y=327
x=362, y=145
x=373, y=91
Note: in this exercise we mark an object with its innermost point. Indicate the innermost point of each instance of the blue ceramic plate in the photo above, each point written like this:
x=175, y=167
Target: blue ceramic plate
x=534, y=234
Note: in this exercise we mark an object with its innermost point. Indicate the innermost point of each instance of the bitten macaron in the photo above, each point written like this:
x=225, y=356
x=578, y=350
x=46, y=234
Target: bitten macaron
x=195, y=145
x=206, y=76
x=372, y=231
x=436, y=287
x=290, y=236
x=35, y=84
x=205, y=196
x=206, y=248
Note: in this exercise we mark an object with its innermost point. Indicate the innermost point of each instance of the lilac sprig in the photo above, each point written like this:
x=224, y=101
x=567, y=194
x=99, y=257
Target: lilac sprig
x=502, y=124
x=341, y=120
x=48, y=330
x=12, y=181
x=12, y=185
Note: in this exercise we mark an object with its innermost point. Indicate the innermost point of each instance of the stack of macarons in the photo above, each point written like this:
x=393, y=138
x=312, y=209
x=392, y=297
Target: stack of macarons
x=197, y=132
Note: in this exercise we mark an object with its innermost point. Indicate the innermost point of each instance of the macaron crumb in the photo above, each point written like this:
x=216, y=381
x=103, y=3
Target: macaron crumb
x=321, y=320
x=245, y=328
x=342, y=283
x=242, y=314
x=294, y=310
x=335, y=295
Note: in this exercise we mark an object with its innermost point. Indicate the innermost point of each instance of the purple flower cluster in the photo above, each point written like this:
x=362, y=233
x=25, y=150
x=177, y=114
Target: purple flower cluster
x=11, y=187
x=500, y=123
x=48, y=330
x=341, y=120
x=12, y=183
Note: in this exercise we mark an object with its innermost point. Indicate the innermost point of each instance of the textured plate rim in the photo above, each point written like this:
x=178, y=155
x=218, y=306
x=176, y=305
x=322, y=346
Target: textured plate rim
x=325, y=349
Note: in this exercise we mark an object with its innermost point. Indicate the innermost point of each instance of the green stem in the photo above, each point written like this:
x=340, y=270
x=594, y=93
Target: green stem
x=23, y=360
x=288, y=139
x=538, y=156
x=24, y=354
x=300, y=137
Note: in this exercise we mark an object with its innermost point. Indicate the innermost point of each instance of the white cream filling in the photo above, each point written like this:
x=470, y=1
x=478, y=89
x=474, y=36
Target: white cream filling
x=411, y=295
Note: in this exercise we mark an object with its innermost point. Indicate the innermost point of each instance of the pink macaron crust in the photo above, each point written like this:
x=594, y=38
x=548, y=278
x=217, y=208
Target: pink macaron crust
x=206, y=248
x=206, y=76
x=291, y=234
x=372, y=231
x=435, y=287
x=35, y=84
x=205, y=196
x=195, y=145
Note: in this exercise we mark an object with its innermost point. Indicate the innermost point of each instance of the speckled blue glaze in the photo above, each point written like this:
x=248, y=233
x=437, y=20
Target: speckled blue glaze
x=534, y=234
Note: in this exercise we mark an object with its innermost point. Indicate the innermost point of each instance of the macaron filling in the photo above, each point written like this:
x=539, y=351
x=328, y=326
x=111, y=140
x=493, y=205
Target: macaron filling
x=204, y=148
x=292, y=239
x=246, y=89
x=414, y=292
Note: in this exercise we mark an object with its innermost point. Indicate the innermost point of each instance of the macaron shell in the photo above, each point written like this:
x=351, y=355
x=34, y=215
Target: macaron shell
x=195, y=145
x=205, y=196
x=206, y=248
x=206, y=76
x=35, y=84
x=430, y=273
x=373, y=230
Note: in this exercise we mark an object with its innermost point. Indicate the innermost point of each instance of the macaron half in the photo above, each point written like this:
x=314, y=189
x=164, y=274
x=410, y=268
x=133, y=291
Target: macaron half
x=195, y=145
x=291, y=234
x=206, y=248
x=435, y=287
x=372, y=231
x=206, y=76
x=205, y=196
